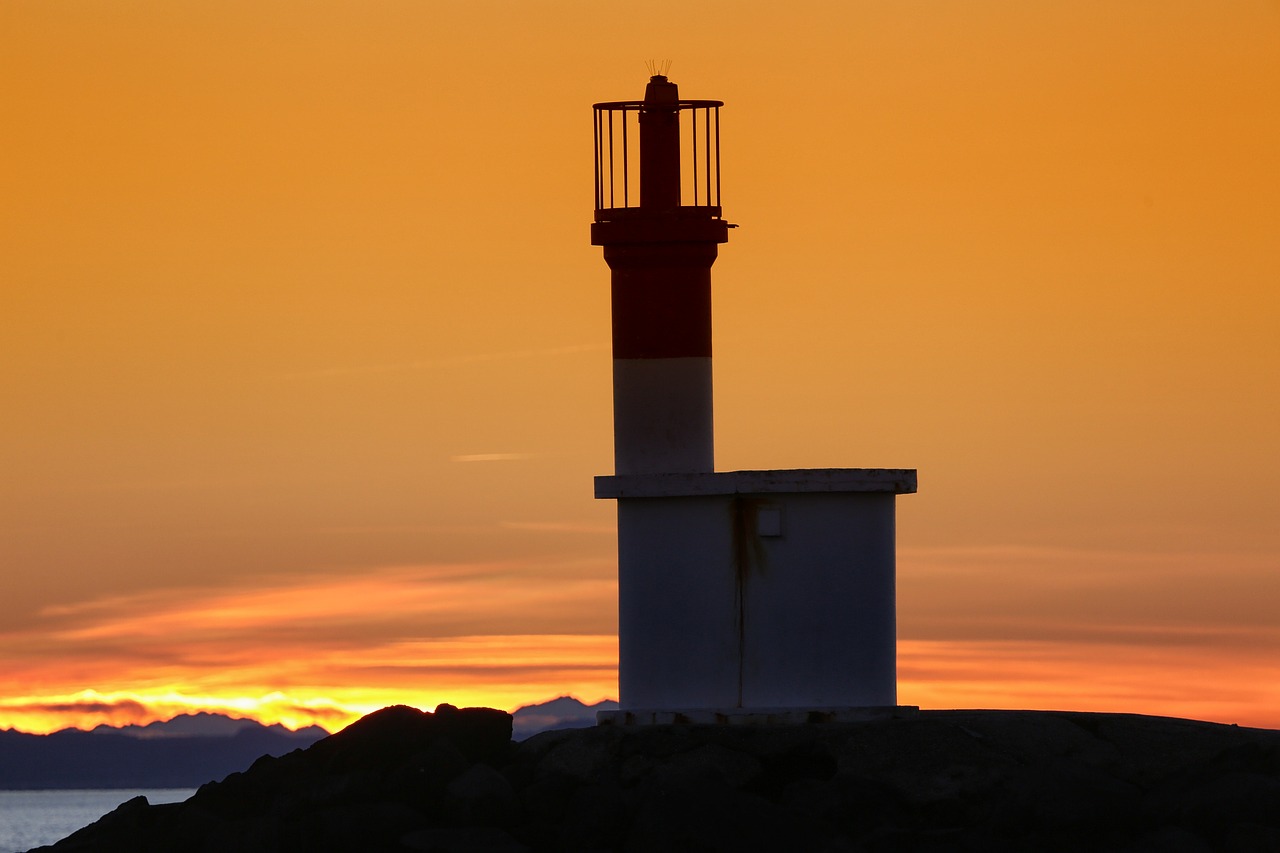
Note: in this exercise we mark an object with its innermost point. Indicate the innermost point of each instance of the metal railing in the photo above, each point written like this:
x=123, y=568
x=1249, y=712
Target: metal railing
x=617, y=158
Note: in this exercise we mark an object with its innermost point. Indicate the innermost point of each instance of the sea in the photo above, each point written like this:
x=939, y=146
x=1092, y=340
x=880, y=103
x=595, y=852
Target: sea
x=35, y=818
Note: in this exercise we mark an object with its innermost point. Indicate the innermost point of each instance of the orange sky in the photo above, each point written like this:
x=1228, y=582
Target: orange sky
x=304, y=353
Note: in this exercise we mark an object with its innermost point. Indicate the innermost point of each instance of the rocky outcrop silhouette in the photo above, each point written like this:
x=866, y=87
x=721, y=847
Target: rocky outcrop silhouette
x=404, y=780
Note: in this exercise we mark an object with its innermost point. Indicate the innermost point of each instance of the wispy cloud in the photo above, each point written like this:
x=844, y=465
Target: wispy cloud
x=437, y=363
x=438, y=599
x=1119, y=677
x=1177, y=634
x=1087, y=596
x=491, y=457
x=89, y=708
x=561, y=527
x=491, y=633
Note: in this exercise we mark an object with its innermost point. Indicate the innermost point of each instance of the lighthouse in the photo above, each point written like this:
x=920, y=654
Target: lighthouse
x=742, y=594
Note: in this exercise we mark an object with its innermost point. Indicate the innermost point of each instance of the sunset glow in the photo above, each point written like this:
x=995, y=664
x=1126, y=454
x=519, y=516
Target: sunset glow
x=305, y=356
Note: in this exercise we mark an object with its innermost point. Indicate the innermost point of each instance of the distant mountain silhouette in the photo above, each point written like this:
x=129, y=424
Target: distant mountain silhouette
x=563, y=713
x=205, y=724
x=182, y=753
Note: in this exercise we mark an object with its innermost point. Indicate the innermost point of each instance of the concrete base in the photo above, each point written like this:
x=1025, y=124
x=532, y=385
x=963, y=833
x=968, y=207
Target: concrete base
x=757, y=589
x=753, y=716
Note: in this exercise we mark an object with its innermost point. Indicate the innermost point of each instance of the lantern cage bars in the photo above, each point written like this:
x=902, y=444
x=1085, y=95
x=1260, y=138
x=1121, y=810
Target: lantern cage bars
x=617, y=158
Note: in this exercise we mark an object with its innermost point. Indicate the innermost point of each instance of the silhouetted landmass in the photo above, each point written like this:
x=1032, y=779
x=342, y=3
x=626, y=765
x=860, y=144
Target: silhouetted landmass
x=205, y=724
x=182, y=753
x=404, y=780
x=563, y=713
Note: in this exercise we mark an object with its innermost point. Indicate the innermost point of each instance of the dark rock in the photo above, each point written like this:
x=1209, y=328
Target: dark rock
x=581, y=759
x=546, y=800
x=482, y=795
x=471, y=839
x=682, y=815
x=1170, y=839
x=1250, y=836
x=1014, y=781
x=712, y=764
x=1061, y=795
x=1221, y=801
x=596, y=817
x=854, y=807
x=797, y=762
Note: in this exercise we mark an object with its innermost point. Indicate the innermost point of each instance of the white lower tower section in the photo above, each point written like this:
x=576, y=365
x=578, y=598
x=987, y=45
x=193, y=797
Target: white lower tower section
x=662, y=415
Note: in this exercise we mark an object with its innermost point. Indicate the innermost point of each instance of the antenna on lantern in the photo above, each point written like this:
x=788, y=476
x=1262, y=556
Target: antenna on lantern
x=658, y=68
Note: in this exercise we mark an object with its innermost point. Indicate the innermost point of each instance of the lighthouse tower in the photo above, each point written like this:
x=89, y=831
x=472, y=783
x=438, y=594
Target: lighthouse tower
x=660, y=253
x=741, y=593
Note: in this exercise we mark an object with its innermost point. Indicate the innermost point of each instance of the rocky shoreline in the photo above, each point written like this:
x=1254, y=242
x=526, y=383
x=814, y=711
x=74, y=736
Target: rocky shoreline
x=404, y=780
